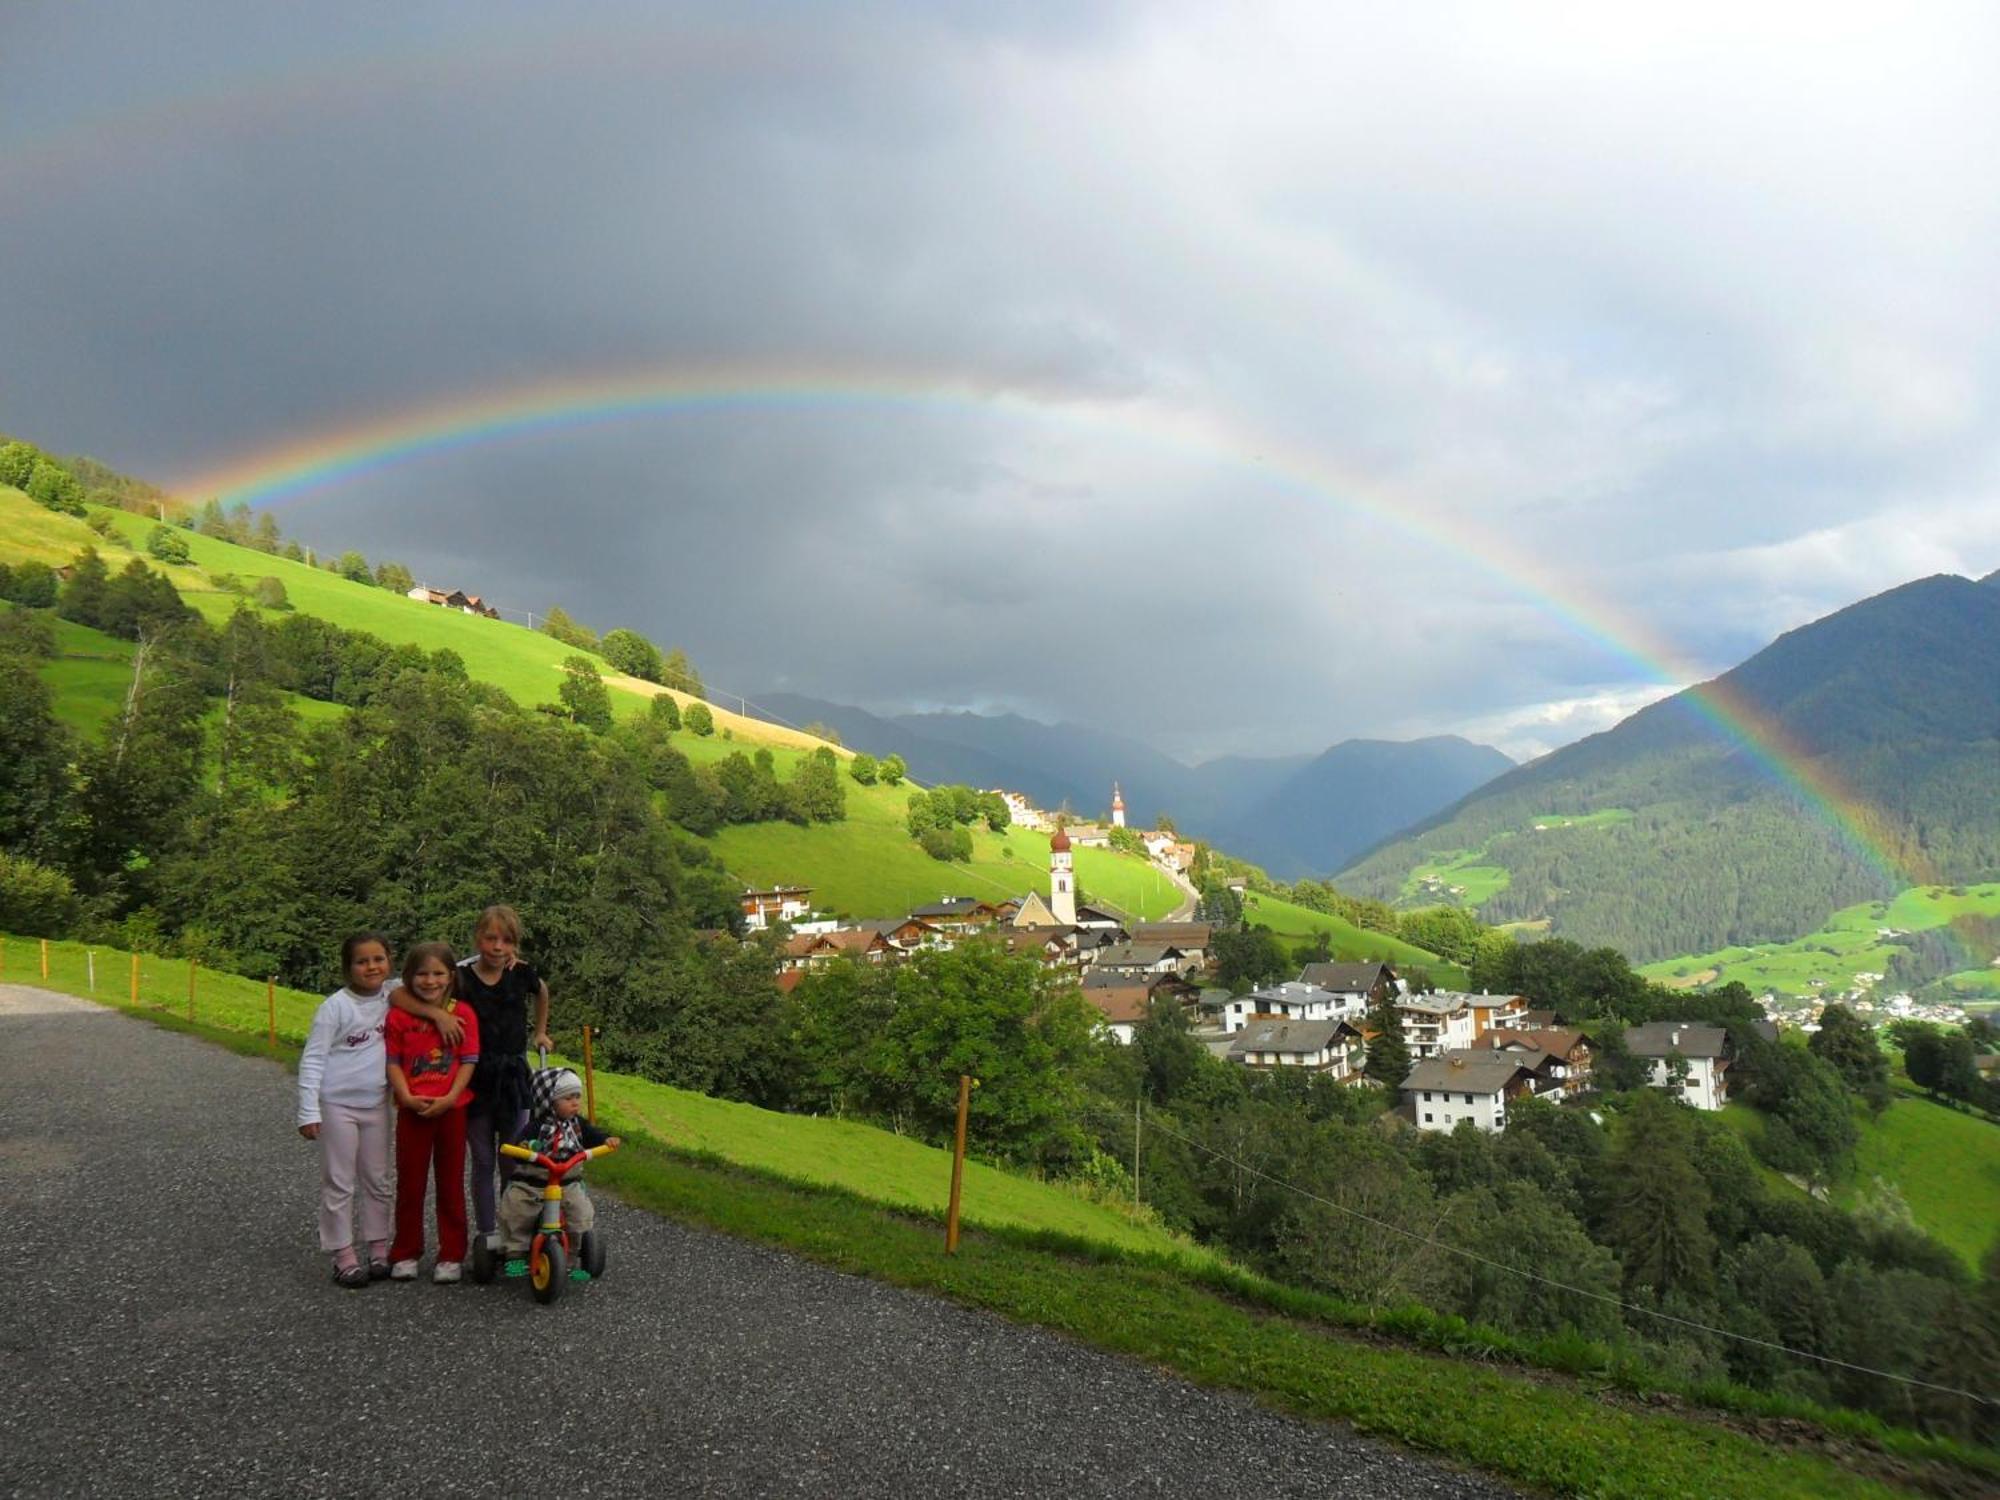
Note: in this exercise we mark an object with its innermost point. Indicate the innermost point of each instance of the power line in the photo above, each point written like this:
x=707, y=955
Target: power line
x=1549, y=1281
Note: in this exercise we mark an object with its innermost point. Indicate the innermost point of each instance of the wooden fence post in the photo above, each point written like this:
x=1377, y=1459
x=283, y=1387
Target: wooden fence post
x=957, y=1165
x=45, y=958
x=90, y=962
x=271, y=1007
x=589, y=1080
x=193, y=964
x=135, y=979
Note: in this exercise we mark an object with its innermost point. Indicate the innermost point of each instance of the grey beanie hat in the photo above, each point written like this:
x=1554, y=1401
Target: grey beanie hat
x=566, y=1083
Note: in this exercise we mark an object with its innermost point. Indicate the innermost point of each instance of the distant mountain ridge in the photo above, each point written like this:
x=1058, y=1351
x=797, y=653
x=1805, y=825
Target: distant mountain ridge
x=1293, y=814
x=1895, y=698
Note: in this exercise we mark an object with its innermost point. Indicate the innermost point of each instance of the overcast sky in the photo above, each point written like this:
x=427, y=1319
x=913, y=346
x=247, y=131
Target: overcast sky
x=1252, y=329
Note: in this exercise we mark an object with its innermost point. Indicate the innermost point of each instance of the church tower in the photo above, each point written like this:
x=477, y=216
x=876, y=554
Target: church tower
x=1117, y=807
x=1062, y=880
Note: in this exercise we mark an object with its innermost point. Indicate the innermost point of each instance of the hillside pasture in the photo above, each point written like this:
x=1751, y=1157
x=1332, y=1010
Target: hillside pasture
x=1856, y=940
x=1300, y=924
x=1946, y=1165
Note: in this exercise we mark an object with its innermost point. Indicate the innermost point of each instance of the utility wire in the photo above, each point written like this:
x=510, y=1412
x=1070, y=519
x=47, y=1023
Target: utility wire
x=1154, y=1121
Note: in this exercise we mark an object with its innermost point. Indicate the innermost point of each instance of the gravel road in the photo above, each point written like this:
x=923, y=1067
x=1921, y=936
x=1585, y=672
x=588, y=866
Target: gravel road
x=170, y=1328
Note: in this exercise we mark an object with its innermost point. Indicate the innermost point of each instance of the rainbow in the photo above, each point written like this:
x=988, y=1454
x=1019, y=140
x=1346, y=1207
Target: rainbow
x=325, y=461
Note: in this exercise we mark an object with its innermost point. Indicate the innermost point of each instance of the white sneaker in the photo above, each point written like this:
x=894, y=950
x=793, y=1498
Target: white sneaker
x=447, y=1270
x=403, y=1270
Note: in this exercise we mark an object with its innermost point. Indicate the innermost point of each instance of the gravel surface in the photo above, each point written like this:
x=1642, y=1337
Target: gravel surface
x=170, y=1328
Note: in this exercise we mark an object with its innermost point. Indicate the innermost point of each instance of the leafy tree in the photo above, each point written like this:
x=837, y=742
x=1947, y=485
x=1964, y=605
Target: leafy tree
x=818, y=788
x=139, y=604
x=266, y=537
x=585, y=699
x=167, y=544
x=893, y=770
x=1220, y=904
x=269, y=593
x=83, y=592
x=32, y=584
x=294, y=552
x=665, y=712
x=394, y=577
x=750, y=791
x=17, y=463
x=678, y=672
x=354, y=567
x=35, y=901
x=862, y=768
x=631, y=653
x=947, y=843
x=699, y=720
x=1850, y=1048
x=52, y=485
x=1247, y=958
x=1657, y=1204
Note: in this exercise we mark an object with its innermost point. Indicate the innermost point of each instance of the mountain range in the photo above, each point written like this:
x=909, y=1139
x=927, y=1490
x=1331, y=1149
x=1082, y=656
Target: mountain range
x=1293, y=814
x=1663, y=836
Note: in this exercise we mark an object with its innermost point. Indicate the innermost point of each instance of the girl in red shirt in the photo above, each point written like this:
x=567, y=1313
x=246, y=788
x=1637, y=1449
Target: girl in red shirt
x=428, y=1076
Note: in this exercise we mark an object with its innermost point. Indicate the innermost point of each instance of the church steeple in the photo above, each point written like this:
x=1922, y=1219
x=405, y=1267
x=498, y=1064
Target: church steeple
x=1117, y=807
x=1062, y=880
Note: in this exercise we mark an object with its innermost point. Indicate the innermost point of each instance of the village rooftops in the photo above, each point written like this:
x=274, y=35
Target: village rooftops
x=1664, y=1038
x=1466, y=1073
x=1348, y=979
x=1136, y=955
x=948, y=907
x=1304, y=1037
x=1120, y=1004
x=1560, y=1040
x=1432, y=1005
x=1184, y=935
x=1292, y=992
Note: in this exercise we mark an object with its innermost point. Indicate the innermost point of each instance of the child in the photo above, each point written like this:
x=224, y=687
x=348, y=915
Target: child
x=560, y=1131
x=342, y=1105
x=499, y=985
x=430, y=1077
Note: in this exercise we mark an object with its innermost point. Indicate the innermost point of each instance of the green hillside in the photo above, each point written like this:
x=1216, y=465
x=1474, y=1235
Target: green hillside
x=1944, y=1164
x=865, y=866
x=1855, y=941
x=1676, y=838
x=1299, y=924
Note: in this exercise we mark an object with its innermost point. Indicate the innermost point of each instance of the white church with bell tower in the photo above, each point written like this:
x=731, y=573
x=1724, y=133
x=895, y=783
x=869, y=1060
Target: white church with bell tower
x=1062, y=880
x=1117, y=806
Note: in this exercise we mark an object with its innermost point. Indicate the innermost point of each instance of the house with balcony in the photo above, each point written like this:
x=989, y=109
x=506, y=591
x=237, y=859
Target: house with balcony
x=1444, y=1091
x=1689, y=1060
x=1565, y=1048
x=1329, y=1047
x=1435, y=1024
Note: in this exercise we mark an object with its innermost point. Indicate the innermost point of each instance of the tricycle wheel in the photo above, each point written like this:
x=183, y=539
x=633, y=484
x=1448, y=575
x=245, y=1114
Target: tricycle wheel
x=484, y=1261
x=548, y=1270
x=593, y=1253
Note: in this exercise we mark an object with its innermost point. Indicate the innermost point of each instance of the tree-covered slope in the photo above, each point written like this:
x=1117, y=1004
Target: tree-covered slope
x=1896, y=700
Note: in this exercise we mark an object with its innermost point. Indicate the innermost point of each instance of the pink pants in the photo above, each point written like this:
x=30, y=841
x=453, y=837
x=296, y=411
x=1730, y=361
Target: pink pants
x=353, y=1154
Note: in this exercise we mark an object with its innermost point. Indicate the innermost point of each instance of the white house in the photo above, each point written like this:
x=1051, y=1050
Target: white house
x=1702, y=1048
x=1303, y=1002
x=1331, y=1047
x=786, y=903
x=1475, y=1086
x=1434, y=1024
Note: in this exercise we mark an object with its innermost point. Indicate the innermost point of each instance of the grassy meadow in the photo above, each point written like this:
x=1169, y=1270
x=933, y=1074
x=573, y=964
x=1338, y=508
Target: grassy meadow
x=1470, y=877
x=1855, y=940
x=866, y=866
x=1299, y=924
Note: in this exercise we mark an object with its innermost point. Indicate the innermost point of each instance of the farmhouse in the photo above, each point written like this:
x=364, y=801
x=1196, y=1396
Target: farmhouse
x=1475, y=1086
x=781, y=903
x=1703, y=1049
x=958, y=915
x=1331, y=1047
x=1367, y=983
x=814, y=950
x=1566, y=1049
x=1434, y=1024
x=457, y=599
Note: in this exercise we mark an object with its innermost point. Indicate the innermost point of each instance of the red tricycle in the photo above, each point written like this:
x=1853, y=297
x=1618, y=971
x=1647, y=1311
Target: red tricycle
x=550, y=1251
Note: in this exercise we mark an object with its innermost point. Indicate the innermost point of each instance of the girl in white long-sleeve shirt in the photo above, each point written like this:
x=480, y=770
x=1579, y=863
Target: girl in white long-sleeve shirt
x=344, y=1105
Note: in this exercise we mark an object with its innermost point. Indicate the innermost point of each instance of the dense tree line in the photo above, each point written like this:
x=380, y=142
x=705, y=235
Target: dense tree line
x=941, y=819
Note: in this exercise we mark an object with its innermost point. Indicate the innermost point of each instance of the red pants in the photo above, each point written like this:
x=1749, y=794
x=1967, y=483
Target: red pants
x=420, y=1144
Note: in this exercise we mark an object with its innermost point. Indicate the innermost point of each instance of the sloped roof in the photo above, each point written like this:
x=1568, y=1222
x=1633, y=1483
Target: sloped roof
x=951, y=906
x=1561, y=1040
x=1349, y=978
x=1180, y=934
x=1464, y=1072
x=1288, y=1036
x=1119, y=1004
x=1661, y=1038
x=1137, y=955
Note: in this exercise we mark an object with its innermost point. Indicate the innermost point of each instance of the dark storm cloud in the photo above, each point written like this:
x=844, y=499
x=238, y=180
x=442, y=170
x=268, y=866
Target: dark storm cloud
x=1713, y=366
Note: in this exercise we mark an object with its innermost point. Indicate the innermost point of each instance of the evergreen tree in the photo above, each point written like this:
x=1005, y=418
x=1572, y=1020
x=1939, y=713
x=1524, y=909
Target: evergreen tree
x=558, y=624
x=585, y=699
x=1388, y=1055
x=1655, y=1215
